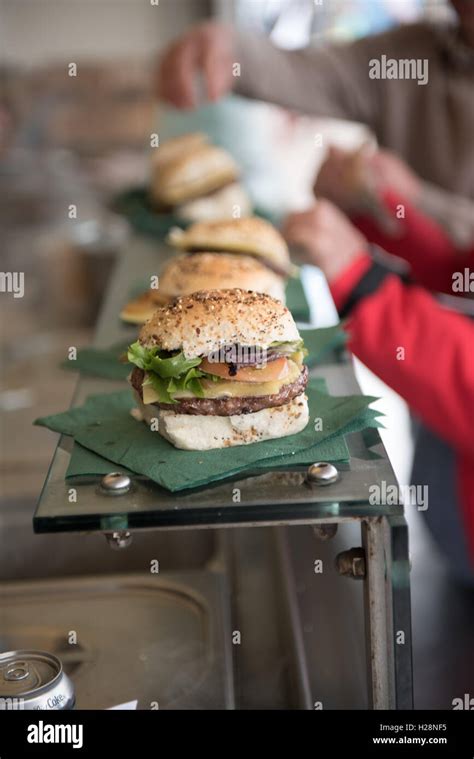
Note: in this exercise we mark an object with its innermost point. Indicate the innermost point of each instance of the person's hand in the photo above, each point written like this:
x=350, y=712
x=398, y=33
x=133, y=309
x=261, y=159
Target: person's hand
x=342, y=179
x=207, y=49
x=325, y=237
x=387, y=171
x=355, y=181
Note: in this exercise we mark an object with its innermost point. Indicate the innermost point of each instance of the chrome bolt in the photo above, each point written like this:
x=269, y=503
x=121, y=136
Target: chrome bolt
x=115, y=483
x=322, y=473
x=351, y=563
x=118, y=540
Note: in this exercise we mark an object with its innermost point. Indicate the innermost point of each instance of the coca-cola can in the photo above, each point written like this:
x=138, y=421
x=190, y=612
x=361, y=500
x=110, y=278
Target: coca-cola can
x=32, y=680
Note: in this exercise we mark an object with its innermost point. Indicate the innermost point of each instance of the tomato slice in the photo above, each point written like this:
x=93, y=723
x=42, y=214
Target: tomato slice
x=273, y=370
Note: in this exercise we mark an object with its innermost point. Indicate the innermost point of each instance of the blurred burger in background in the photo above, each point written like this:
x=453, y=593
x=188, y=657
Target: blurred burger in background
x=189, y=273
x=247, y=253
x=251, y=236
x=196, y=180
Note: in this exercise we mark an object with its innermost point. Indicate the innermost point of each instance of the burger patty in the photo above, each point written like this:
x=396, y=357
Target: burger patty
x=228, y=406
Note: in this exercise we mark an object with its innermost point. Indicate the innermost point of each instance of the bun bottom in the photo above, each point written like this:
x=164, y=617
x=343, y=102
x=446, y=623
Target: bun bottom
x=217, y=205
x=204, y=433
x=142, y=308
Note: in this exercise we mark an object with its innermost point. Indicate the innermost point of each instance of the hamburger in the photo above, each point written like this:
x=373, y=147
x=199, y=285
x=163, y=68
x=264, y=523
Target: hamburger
x=188, y=273
x=176, y=148
x=196, y=180
x=251, y=236
x=221, y=368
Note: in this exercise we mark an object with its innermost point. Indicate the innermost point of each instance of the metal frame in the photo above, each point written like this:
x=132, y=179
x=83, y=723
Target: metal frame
x=388, y=612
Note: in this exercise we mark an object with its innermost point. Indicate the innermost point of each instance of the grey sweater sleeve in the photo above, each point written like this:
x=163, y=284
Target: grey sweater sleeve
x=332, y=80
x=454, y=212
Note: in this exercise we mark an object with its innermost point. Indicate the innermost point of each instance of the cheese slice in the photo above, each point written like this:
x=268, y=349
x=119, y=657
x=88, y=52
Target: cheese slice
x=224, y=389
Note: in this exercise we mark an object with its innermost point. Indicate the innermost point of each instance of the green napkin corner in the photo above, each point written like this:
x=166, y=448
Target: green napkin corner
x=104, y=426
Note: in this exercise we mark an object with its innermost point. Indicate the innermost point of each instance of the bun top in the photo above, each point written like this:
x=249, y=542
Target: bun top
x=194, y=173
x=199, y=271
x=176, y=147
x=251, y=235
x=205, y=321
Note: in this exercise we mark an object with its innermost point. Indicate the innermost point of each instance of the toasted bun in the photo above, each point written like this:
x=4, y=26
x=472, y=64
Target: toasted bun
x=218, y=271
x=188, y=273
x=203, y=322
x=204, y=433
x=177, y=147
x=138, y=310
x=220, y=204
x=193, y=174
x=253, y=236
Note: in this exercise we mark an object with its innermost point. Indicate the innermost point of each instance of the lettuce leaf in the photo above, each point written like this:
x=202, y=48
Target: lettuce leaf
x=150, y=360
x=286, y=349
x=167, y=375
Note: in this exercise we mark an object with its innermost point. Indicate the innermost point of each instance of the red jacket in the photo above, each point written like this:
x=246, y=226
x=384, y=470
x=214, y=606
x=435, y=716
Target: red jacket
x=436, y=375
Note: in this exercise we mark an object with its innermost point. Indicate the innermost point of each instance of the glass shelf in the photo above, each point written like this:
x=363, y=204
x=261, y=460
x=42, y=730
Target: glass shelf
x=266, y=499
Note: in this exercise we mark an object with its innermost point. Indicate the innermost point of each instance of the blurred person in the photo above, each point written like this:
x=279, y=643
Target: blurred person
x=421, y=349
x=425, y=126
x=427, y=120
x=364, y=183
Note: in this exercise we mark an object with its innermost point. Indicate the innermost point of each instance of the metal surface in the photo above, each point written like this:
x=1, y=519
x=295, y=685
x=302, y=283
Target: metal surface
x=388, y=613
x=275, y=498
x=330, y=615
x=398, y=575
x=163, y=641
x=325, y=531
x=352, y=563
x=269, y=664
x=115, y=483
x=322, y=474
x=378, y=649
x=119, y=540
x=31, y=679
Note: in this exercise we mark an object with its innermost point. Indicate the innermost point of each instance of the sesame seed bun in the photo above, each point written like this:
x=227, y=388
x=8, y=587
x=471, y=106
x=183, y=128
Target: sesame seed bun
x=186, y=274
x=189, y=273
x=201, y=171
x=142, y=308
x=252, y=236
x=205, y=321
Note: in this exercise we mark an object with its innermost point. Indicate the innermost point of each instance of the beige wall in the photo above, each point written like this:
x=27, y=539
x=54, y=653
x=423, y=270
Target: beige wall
x=38, y=31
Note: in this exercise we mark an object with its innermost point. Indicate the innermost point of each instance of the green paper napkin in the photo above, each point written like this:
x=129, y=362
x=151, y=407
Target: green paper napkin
x=105, y=426
x=102, y=362
x=320, y=342
x=135, y=205
x=296, y=300
x=105, y=362
x=86, y=464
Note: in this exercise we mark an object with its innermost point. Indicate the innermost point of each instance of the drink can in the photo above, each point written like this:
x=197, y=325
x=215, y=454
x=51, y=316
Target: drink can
x=32, y=680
